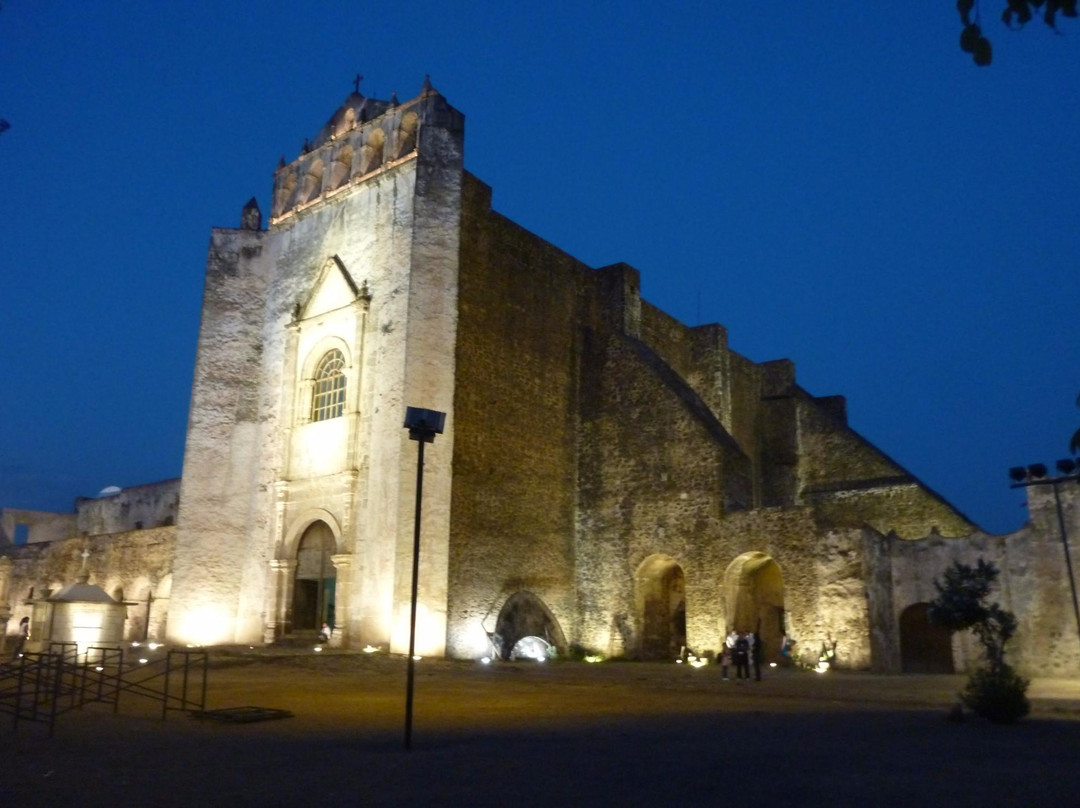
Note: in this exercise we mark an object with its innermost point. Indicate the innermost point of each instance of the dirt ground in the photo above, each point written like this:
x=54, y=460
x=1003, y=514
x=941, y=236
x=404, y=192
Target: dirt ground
x=558, y=733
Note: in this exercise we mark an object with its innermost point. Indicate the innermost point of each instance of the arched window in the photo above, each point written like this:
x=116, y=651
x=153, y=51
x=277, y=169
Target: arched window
x=329, y=399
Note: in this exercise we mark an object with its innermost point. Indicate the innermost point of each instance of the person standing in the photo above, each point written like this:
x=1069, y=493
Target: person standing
x=24, y=633
x=756, y=654
x=742, y=657
x=728, y=652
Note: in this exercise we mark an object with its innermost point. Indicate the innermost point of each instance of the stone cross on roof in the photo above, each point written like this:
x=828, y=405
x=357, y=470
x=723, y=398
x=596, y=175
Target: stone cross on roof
x=356, y=83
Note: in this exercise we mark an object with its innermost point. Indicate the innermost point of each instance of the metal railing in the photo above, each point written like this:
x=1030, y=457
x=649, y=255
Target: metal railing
x=40, y=687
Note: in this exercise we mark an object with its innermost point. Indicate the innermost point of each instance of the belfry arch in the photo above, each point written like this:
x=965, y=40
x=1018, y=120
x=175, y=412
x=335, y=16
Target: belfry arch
x=754, y=589
x=660, y=607
x=924, y=646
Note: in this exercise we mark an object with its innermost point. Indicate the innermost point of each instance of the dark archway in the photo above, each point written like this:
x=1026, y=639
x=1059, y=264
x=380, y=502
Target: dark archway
x=314, y=585
x=525, y=615
x=661, y=608
x=755, y=600
x=924, y=646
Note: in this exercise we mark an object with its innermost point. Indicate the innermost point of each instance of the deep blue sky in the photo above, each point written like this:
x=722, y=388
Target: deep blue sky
x=836, y=183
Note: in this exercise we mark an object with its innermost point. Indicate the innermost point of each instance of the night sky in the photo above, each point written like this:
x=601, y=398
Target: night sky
x=836, y=183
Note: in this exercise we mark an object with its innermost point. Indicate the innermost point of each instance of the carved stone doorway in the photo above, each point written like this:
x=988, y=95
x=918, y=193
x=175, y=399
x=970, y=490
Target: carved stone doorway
x=315, y=580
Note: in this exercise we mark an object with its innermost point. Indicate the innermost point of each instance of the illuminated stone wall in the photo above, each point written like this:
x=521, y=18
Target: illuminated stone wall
x=512, y=515
x=133, y=566
x=133, y=508
x=1033, y=585
x=361, y=256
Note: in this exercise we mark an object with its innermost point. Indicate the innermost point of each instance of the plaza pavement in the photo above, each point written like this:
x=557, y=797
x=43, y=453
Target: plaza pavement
x=552, y=734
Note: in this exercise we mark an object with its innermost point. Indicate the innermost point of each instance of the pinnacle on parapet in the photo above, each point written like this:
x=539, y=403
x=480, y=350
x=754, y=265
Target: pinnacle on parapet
x=356, y=84
x=426, y=88
x=251, y=216
x=393, y=100
x=281, y=163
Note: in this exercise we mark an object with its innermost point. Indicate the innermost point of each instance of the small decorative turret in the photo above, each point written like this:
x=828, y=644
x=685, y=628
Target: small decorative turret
x=251, y=216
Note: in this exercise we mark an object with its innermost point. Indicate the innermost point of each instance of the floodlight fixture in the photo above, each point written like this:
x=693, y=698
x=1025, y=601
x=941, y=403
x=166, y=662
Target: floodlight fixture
x=1036, y=471
x=1018, y=474
x=1066, y=465
x=424, y=425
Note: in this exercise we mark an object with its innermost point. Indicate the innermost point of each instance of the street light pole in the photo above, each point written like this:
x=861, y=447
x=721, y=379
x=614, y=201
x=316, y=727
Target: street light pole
x=1036, y=475
x=423, y=426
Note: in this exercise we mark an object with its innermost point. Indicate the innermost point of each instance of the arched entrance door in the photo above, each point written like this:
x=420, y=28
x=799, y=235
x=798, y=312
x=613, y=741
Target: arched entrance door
x=661, y=607
x=924, y=646
x=313, y=588
x=754, y=587
x=525, y=615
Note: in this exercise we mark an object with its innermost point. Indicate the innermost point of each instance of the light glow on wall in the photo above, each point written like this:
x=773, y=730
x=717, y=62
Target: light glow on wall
x=430, y=632
x=208, y=625
x=87, y=627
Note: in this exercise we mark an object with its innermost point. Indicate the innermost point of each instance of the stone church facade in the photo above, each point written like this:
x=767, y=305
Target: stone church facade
x=609, y=480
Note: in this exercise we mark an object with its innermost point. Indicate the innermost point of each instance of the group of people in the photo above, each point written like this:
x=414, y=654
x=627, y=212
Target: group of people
x=744, y=649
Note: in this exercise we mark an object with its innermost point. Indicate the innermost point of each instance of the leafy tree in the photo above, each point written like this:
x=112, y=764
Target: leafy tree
x=1016, y=15
x=995, y=690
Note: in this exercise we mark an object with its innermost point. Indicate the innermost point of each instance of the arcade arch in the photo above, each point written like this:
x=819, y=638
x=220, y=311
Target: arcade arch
x=754, y=588
x=660, y=606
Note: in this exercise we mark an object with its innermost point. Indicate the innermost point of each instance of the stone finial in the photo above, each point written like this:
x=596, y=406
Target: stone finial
x=306, y=147
x=251, y=216
x=427, y=88
x=356, y=83
x=393, y=100
x=281, y=163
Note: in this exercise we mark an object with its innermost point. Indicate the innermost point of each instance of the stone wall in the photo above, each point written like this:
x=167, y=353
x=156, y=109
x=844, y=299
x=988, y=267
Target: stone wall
x=40, y=526
x=512, y=516
x=133, y=566
x=851, y=482
x=133, y=508
x=1033, y=584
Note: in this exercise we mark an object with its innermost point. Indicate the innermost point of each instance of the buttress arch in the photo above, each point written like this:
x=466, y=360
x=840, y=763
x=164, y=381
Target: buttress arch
x=526, y=615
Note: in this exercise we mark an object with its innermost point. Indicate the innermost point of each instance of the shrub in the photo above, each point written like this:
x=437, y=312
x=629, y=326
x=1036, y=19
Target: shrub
x=994, y=691
x=997, y=694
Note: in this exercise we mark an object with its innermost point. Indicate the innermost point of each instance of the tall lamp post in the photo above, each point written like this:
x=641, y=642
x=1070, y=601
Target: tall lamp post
x=1036, y=474
x=423, y=426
